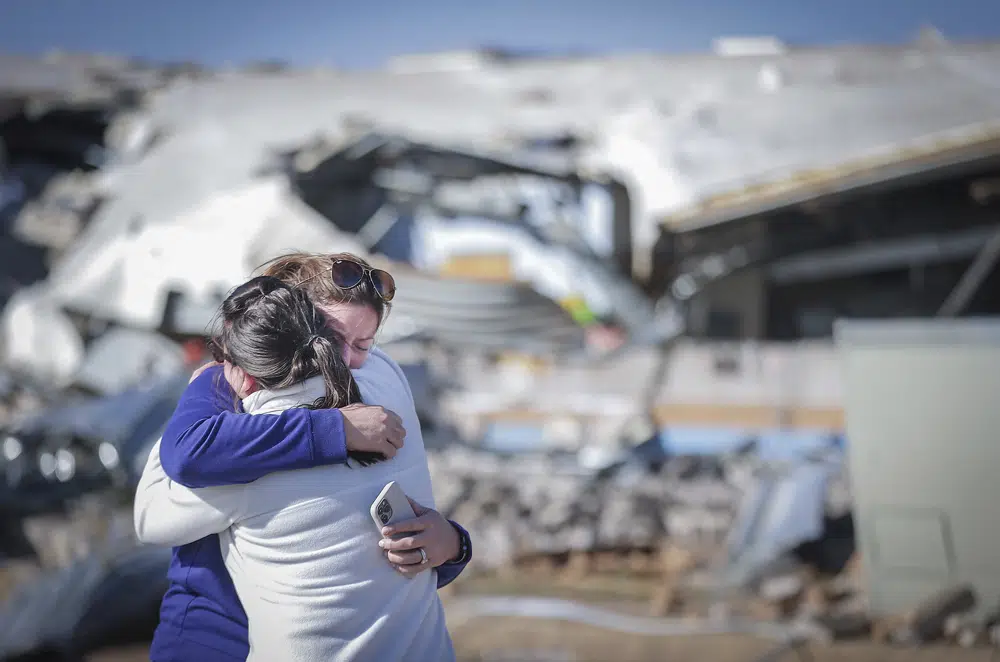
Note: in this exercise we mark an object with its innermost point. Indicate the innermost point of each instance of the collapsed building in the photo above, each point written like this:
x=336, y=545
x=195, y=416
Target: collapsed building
x=786, y=187
x=591, y=252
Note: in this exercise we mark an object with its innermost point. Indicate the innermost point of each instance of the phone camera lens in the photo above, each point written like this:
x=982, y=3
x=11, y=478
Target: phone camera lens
x=384, y=511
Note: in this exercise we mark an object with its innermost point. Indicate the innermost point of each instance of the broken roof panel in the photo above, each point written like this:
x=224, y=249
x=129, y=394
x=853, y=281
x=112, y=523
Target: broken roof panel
x=126, y=267
x=27, y=76
x=63, y=77
x=964, y=147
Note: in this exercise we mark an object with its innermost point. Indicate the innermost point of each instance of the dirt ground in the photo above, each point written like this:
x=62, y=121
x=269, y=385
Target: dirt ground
x=513, y=639
x=517, y=640
x=521, y=640
x=524, y=640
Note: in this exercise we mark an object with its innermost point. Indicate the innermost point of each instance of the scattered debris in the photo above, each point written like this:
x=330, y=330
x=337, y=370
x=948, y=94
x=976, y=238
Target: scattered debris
x=548, y=505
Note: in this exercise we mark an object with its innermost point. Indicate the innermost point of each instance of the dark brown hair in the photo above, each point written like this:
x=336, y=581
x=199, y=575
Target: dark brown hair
x=280, y=338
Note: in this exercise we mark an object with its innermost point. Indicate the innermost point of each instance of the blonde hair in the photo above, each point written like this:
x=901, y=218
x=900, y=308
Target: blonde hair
x=310, y=272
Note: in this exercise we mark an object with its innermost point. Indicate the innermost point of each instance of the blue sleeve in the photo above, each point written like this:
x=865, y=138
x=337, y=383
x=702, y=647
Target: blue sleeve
x=205, y=445
x=449, y=572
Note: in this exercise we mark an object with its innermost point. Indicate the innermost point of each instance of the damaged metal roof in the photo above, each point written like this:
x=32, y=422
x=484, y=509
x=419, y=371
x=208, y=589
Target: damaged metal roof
x=960, y=148
x=691, y=133
x=77, y=78
x=194, y=171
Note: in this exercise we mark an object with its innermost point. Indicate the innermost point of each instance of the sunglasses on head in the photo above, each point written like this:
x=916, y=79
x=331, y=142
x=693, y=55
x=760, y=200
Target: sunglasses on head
x=348, y=274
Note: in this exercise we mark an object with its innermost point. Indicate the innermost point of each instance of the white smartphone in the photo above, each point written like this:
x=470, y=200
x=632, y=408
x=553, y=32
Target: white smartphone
x=391, y=506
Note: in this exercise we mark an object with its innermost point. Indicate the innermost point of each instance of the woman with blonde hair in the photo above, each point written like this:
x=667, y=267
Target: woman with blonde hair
x=204, y=445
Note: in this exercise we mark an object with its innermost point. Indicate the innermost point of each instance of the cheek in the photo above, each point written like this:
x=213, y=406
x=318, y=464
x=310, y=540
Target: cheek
x=354, y=358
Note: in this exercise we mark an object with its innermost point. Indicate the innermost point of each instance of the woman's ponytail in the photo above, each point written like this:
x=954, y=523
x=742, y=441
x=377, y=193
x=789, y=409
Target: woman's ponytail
x=336, y=375
x=341, y=389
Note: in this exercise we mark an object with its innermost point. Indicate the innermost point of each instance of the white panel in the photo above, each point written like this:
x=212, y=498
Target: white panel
x=923, y=430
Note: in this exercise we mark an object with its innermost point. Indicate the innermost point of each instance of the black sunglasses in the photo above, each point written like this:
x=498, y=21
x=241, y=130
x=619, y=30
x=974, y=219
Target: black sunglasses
x=348, y=274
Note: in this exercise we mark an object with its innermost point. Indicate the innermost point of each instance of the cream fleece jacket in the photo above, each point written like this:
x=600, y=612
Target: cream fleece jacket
x=301, y=546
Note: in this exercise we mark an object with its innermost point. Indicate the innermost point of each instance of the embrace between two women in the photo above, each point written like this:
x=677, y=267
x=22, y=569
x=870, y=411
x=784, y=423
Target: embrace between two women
x=263, y=479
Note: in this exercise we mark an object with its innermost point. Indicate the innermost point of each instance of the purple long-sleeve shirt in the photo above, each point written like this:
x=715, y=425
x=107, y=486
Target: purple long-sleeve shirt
x=203, y=445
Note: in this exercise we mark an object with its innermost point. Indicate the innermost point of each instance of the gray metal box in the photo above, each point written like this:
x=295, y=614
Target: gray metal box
x=922, y=401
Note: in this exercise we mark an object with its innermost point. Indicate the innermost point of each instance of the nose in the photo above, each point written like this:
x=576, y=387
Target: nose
x=353, y=358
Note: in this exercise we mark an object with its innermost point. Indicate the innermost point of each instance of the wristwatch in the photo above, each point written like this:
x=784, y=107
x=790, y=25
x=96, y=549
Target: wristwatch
x=464, y=546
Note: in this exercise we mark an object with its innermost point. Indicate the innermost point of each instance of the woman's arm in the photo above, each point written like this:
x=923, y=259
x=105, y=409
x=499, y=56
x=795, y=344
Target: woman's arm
x=205, y=445
x=167, y=513
x=450, y=569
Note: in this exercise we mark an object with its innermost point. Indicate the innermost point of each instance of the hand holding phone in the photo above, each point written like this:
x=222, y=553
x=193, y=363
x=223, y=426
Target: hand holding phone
x=391, y=506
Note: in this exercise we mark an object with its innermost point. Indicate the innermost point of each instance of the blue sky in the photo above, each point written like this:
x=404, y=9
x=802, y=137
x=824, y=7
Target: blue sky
x=363, y=33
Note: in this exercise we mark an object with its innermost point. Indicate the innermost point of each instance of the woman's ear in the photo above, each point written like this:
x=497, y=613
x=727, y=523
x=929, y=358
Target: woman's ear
x=249, y=384
x=242, y=383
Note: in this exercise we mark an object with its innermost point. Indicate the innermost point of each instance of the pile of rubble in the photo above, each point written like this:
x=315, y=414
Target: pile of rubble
x=717, y=538
x=525, y=505
x=680, y=524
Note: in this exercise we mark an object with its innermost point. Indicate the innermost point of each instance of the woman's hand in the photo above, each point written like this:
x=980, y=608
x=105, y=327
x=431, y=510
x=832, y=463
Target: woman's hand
x=372, y=429
x=428, y=531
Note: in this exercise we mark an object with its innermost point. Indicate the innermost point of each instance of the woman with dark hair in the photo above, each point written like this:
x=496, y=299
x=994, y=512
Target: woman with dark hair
x=206, y=445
